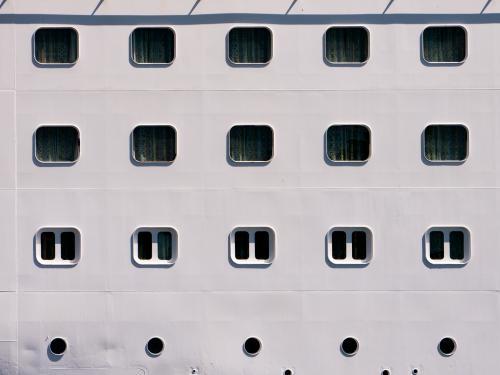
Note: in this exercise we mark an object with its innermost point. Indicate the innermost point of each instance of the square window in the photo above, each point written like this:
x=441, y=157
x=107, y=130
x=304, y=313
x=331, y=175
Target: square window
x=251, y=143
x=349, y=245
x=154, y=144
x=447, y=245
x=444, y=44
x=347, y=45
x=56, y=46
x=252, y=245
x=249, y=45
x=446, y=143
x=153, y=45
x=57, y=144
x=58, y=246
x=348, y=143
x=154, y=246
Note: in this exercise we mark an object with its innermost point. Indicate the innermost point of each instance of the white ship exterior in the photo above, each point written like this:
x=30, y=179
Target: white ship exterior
x=305, y=308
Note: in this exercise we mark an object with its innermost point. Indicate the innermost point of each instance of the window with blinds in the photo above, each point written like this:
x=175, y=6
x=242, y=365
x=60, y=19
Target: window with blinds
x=444, y=44
x=346, y=143
x=446, y=143
x=56, y=46
x=57, y=144
x=153, y=45
x=249, y=45
x=347, y=45
x=251, y=143
x=154, y=144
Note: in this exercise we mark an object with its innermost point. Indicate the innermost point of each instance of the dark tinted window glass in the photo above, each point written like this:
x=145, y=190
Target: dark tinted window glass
x=436, y=245
x=346, y=45
x=56, y=46
x=339, y=240
x=68, y=245
x=261, y=245
x=444, y=44
x=154, y=143
x=57, y=144
x=145, y=245
x=348, y=143
x=457, y=245
x=164, y=245
x=242, y=241
x=249, y=45
x=153, y=46
x=251, y=143
x=155, y=345
x=48, y=245
x=446, y=142
x=359, y=245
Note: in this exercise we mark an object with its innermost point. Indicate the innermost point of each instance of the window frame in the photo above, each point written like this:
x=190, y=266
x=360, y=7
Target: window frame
x=446, y=161
x=447, y=260
x=132, y=151
x=348, y=161
x=58, y=261
x=252, y=260
x=249, y=162
x=349, y=260
x=333, y=63
x=131, y=55
x=58, y=126
x=422, y=51
x=271, y=55
x=56, y=64
x=155, y=262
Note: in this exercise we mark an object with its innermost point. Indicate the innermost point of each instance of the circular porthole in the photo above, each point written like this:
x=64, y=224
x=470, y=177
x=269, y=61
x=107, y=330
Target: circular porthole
x=288, y=372
x=414, y=371
x=58, y=346
x=252, y=346
x=155, y=346
x=447, y=346
x=386, y=372
x=349, y=346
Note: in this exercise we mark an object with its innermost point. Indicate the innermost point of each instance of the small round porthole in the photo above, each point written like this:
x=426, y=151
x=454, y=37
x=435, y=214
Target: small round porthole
x=252, y=346
x=447, y=346
x=349, y=346
x=288, y=372
x=386, y=372
x=414, y=371
x=155, y=346
x=58, y=346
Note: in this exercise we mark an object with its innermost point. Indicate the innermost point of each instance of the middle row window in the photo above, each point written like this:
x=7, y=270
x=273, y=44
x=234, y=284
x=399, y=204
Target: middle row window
x=250, y=143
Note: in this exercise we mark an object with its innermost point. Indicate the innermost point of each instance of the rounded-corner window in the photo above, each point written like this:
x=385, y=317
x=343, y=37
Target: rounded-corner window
x=58, y=346
x=155, y=346
x=349, y=346
x=250, y=45
x=252, y=245
x=444, y=44
x=347, y=45
x=348, y=143
x=55, y=46
x=59, y=246
x=152, y=46
x=252, y=346
x=350, y=245
x=154, y=144
x=447, y=346
x=447, y=245
x=57, y=144
x=251, y=144
x=447, y=143
x=155, y=246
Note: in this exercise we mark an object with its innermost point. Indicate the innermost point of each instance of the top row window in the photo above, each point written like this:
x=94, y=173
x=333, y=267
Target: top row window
x=251, y=45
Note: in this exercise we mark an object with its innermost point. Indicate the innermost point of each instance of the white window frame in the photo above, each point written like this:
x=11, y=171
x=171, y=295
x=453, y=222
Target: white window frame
x=153, y=162
x=249, y=162
x=252, y=260
x=446, y=231
x=349, y=161
x=58, y=261
x=58, y=162
x=447, y=161
x=57, y=64
x=444, y=62
x=349, y=259
x=271, y=55
x=333, y=63
x=131, y=54
x=155, y=261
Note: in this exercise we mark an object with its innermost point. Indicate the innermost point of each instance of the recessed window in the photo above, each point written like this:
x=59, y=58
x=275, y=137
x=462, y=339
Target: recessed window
x=444, y=44
x=155, y=346
x=251, y=143
x=155, y=246
x=252, y=346
x=346, y=143
x=447, y=346
x=249, y=45
x=58, y=346
x=349, y=245
x=56, y=46
x=153, y=45
x=252, y=245
x=347, y=45
x=57, y=144
x=448, y=143
x=154, y=144
x=447, y=245
x=349, y=346
x=58, y=246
